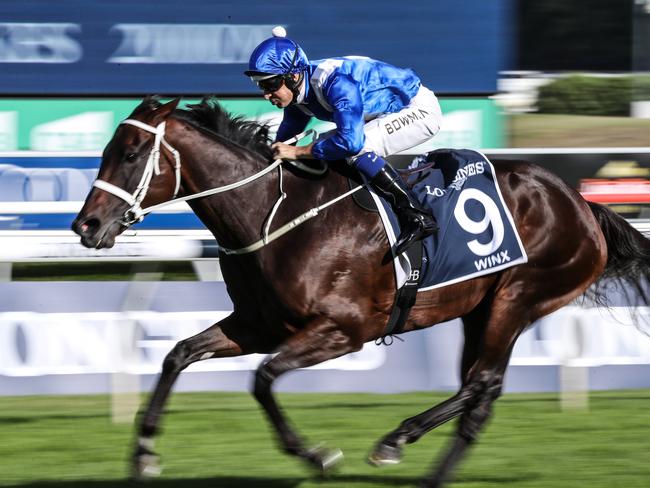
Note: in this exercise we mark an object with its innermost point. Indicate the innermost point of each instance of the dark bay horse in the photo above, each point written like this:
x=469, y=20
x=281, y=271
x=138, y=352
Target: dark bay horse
x=322, y=290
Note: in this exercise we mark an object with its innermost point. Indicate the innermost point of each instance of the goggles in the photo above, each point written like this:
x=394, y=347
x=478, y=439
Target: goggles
x=269, y=85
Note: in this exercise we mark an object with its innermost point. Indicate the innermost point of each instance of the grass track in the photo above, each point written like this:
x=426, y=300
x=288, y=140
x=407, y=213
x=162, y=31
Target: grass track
x=222, y=440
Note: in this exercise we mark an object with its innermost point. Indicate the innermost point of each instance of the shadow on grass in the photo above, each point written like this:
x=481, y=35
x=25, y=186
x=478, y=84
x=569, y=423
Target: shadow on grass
x=217, y=481
x=257, y=482
x=376, y=480
x=411, y=481
x=226, y=482
x=40, y=418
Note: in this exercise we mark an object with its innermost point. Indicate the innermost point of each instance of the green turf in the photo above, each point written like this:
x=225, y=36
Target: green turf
x=222, y=440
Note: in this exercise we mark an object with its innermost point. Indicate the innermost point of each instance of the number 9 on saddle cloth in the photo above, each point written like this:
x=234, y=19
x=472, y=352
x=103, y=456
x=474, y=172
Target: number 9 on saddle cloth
x=477, y=235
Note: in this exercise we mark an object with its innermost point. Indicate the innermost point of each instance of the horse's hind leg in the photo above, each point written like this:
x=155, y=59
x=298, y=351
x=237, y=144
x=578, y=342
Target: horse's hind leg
x=487, y=388
x=219, y=340
x=321, y=340
x=389, y=449
x=490, y=332
x=483, y=378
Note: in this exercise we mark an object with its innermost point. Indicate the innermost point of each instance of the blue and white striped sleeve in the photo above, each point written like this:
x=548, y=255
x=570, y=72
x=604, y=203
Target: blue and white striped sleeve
x=344, y=96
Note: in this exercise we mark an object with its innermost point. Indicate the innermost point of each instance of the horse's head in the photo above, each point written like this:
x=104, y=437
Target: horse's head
x=138, y=169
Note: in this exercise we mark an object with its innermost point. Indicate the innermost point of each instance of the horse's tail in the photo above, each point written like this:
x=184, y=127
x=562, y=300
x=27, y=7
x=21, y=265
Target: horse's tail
x=628, y=261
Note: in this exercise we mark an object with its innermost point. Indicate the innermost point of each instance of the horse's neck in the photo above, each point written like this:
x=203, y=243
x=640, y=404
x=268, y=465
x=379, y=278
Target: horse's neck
x=236, y=216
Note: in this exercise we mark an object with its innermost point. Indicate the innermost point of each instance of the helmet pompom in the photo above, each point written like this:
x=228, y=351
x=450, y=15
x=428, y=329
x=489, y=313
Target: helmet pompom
x=277, y=55
x=279, y=31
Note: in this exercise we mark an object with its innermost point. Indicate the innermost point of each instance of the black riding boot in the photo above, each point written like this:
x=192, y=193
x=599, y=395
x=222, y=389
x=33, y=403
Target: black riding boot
x=415, y=222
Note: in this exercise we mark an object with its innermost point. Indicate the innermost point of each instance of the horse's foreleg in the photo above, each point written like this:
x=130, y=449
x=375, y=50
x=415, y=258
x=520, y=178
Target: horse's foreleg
x=320, y=341
x=216, y=341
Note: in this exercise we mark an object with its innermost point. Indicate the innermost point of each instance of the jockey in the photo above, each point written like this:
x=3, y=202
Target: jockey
x=378, y=110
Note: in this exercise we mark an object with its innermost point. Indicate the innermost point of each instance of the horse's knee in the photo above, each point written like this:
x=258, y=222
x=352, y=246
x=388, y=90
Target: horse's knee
x=176, y=359
x=264, y=377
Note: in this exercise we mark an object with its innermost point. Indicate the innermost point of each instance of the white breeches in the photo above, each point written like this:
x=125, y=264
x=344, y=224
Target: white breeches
x=416, y=123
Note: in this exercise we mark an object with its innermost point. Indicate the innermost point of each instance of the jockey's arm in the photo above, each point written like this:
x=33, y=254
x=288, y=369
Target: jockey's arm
x=344, y=96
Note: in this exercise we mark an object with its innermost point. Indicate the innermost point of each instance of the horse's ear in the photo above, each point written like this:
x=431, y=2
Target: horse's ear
x=163, y=112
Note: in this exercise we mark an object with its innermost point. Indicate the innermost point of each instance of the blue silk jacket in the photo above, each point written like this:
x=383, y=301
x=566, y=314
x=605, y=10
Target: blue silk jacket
x=347, y=91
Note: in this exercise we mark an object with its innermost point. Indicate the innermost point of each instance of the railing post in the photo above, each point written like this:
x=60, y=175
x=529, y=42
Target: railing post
x=574, y=377
x=125, y=385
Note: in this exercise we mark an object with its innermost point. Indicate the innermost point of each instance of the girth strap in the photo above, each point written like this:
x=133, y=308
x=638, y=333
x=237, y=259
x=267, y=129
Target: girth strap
x=406, y=295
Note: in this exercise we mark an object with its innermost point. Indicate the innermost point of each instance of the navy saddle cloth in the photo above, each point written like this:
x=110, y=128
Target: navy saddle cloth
x=477, y=234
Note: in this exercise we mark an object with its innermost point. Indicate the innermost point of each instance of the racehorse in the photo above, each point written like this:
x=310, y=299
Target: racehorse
x=324, y=289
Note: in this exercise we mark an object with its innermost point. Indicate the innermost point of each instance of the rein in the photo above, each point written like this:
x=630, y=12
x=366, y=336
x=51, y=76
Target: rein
x=135, y=213
x=301, y=219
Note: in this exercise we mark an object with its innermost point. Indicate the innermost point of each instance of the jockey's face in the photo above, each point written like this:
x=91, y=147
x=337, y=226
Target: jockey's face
x=281, y=97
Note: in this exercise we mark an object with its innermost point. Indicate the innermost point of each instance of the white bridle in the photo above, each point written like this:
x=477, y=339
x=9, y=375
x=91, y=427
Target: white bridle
x=135, y=213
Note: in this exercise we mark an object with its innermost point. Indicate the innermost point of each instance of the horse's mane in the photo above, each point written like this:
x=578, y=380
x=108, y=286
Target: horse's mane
x=209, y=116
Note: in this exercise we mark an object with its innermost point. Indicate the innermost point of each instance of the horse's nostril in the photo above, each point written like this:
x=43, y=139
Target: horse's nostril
x=87, y=228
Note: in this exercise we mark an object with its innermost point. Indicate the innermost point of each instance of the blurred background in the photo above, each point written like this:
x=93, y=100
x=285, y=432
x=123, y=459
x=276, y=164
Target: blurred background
x=564, y=84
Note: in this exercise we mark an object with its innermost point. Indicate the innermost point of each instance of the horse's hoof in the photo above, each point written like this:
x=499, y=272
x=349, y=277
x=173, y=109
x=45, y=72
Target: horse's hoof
x=146, y=466
x=385, y=454
x=323, y=459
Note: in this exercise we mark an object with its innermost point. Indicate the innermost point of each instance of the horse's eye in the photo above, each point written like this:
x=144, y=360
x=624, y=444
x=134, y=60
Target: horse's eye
x=129, y=158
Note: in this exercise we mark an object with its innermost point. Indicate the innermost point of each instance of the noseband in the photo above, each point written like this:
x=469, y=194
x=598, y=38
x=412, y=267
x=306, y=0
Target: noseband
x=135, y=213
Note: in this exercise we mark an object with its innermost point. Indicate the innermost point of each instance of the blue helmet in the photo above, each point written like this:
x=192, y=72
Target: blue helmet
x=277, y=55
